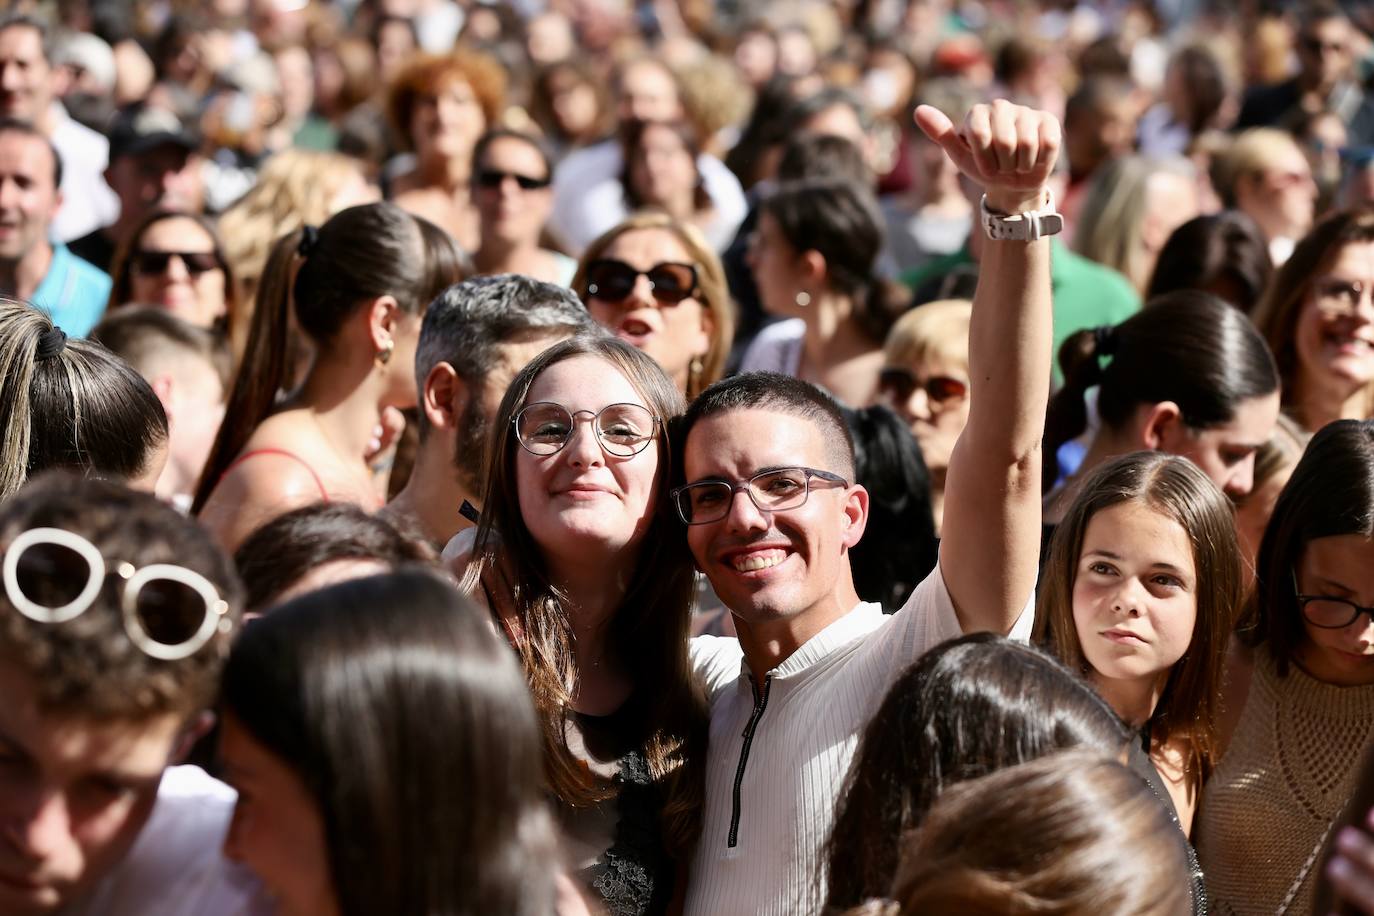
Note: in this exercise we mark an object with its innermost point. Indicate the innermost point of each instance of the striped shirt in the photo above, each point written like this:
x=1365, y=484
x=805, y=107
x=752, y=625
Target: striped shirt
x=779, y=753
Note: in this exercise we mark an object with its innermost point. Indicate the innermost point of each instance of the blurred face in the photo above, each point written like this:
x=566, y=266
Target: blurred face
x=1227, y=453
x=673, y=334
x=574, y=106
x=195, y=408
x=28, y=197
x=1134, y=594
x=756, y=57
x=1339, y=566
x=174, y=266
x=932, y=397
x=583, y=500
x=1324, y=52
x=648, y=93
x=277, y=830
x=1334, y=336
x=296, y=73
x=166, y=177
x=1171, y=201
x=25, y=75
x=1101, y=135
x=774, y=264
x=395, y=43
x=771, y=566
x=511, y=192
x=447, y=122
x=1282, y=198
x=663, y=172
x=73, y=796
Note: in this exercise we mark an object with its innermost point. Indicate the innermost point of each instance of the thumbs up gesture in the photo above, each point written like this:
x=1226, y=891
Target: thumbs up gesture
x=1009, y=150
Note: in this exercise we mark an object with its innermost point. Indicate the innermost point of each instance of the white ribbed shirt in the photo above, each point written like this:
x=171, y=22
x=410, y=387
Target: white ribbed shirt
x=814, y=706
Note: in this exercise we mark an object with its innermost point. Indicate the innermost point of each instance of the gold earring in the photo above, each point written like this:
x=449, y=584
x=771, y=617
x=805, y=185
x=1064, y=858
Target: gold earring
x=803, y=298
x=384, y=354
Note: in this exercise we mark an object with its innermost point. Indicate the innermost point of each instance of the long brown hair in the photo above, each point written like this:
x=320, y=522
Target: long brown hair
x=361, y=253
x=1177, y=489
x=648, y=633
x=121, y=290
x=1277, y=313
x=1071, y=834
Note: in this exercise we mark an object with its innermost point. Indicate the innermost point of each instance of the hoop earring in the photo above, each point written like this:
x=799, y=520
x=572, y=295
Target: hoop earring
x=803, y=298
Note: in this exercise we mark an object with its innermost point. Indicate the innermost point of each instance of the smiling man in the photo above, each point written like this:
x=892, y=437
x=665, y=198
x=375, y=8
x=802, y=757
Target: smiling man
x=771, y=512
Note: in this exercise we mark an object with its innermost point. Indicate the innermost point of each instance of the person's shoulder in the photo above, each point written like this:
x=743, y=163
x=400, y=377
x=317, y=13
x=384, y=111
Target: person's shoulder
x=716, y=661
x=1084, y=275
x=86, y=271
x=936, y=267
x=590, y=163
x=769, y=350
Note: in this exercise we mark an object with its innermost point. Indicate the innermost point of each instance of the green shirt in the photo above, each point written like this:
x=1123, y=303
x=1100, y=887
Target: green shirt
x=1086, y=294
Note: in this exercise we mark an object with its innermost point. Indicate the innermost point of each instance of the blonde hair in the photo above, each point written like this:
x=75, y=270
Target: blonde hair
x=937, y=330
x=1111, y=226
x=1251, y=153
x=714, y=291
x=296, y=187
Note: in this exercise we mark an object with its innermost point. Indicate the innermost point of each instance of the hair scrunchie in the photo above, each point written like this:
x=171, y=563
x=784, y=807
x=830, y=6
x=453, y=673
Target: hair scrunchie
x=1104, y=339
x=50, y=343
x=310, y=237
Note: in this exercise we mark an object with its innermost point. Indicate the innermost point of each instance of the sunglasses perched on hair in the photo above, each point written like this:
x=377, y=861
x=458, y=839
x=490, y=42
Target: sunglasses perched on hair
x=613, y=281
x=170, y=612
x=941, y=390
x=156, y=262
x=494, y=178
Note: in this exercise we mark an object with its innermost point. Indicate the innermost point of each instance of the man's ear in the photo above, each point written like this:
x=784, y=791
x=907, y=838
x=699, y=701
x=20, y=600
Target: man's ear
x=444, y=397
x=199, y=726
x=163, y=386
x=1162, y=426
x=856, y=515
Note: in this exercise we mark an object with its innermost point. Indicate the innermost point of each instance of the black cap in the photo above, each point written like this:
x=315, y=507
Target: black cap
x=140, y=128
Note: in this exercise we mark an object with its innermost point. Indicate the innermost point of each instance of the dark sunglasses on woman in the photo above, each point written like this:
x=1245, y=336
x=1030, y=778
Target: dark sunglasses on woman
x=156, y=262
x=613, y=281
x=494, y=178
x=941, y=390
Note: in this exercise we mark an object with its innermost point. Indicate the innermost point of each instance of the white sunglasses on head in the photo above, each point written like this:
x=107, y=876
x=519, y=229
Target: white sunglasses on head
x=169, y=611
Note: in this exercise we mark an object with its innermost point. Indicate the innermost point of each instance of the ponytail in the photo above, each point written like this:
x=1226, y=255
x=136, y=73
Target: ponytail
x=262, y=372
x=1067, y=416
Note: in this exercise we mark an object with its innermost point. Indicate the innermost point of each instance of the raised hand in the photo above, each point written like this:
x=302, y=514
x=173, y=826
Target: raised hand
x=1009, y=150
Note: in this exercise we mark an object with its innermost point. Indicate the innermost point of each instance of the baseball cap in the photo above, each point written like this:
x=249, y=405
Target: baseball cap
x=140, y=127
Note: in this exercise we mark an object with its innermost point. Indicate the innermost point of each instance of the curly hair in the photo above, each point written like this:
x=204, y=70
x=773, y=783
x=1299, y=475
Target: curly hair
x=428, y=73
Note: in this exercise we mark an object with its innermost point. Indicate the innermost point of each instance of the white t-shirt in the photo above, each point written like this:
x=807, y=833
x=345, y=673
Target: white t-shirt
x=176, y=866
x=87, y=201
x=763, y=859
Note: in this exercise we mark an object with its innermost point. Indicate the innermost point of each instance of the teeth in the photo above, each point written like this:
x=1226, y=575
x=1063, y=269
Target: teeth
x=755, y=562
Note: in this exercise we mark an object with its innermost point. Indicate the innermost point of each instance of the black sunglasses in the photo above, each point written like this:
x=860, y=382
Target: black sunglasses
x=155, y=262
x=494, y=178
x=939, y=389
x=613, y=281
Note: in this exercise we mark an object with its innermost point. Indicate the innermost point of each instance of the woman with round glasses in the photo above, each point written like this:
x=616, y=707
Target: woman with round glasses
x=925, y=380
x=1318, y=316
x=1299, y=710
x=581, y=563
x=656, y=284
x=813, y=256
x=175, y=261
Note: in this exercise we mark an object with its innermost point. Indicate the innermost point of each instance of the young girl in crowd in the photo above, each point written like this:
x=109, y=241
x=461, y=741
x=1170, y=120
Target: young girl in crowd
x=1139, y=594
x=385, y=753
x=655, y=283
x=1188, y=375
x=582, y=565
x=1073, y=833
x=72, y=404
x=1300, y=691
x=359, y=285
x=813, y=256
x=1319, y=320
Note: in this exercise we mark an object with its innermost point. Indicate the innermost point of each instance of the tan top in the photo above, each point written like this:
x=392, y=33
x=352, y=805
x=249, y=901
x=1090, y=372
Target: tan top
x=1291, y=766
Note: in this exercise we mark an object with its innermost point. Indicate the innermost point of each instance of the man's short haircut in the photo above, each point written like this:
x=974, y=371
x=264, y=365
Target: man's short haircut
x=780, y=393
x=466, y=323
x=27, y=129
x=143, y=335
x=811, y=155
x=25, y=21
x=87, y=667
x=795, y=118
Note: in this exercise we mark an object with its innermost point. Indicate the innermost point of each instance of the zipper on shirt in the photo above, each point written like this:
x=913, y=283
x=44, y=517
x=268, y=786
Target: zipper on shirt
x=760, y=701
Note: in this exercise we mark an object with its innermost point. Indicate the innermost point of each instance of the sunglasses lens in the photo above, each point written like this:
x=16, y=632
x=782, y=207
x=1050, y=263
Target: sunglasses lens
x=531, y=184
x=943, y=388
x=896, y=382
x=152, y=262
x=52, y=575
x=610, y=281
x=198, y=262
x=672, y=282
x=487, y=178
x=169, y=612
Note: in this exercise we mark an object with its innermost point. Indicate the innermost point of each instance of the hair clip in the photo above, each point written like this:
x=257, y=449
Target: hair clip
x=50, y=343
x=310, y=237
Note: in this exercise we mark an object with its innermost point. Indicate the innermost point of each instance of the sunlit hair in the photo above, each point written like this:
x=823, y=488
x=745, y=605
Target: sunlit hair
x=121, y=293
x=1175, y=488
x=714, y=292
x=1278, y=310
x=409, y=726
x=1071, y=834
x=934, y=331
x=426, y=74
x=649, y=631
x=1111, y=228
x=1250, y=154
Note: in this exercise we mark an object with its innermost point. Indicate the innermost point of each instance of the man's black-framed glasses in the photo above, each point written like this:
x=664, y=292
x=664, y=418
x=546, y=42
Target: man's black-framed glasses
x=771, y=491
x=1328, y=612
x=624, y=430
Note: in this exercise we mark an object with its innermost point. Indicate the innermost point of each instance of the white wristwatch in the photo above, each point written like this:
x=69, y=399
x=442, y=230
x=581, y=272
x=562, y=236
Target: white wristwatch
x=1021, y=227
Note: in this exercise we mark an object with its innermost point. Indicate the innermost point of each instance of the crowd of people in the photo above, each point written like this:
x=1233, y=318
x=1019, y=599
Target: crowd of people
x=411, y=410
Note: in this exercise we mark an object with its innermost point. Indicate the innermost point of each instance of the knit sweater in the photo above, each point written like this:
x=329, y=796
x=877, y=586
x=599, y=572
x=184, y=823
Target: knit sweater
x=779, y=753
x=1290, y=769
